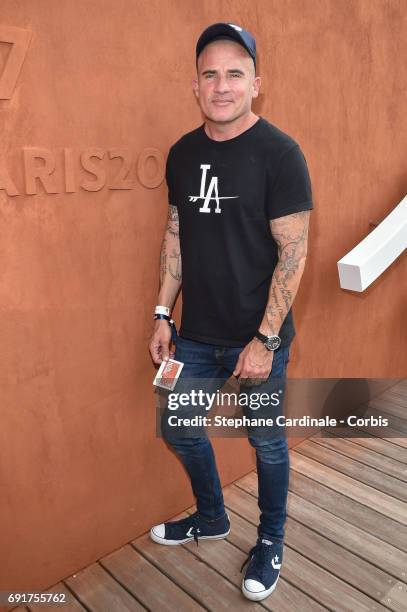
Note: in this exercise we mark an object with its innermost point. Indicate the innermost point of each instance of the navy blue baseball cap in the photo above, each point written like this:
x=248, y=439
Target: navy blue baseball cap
x=227, y=30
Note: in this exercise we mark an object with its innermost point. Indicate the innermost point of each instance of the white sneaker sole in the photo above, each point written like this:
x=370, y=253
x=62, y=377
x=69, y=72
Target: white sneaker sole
x=161, y=540
x=260, y=595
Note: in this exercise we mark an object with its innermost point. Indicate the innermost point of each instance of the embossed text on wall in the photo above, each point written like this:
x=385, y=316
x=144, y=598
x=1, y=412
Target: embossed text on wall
x=92, y=169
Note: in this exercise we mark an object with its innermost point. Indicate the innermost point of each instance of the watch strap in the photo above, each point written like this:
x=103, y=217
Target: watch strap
x=261, y=336
x=266, y=340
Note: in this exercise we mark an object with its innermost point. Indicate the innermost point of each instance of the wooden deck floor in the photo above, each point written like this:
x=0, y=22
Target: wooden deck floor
x=346, y=539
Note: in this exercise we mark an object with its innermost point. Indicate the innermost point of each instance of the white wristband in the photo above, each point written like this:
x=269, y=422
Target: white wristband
x=162, y=310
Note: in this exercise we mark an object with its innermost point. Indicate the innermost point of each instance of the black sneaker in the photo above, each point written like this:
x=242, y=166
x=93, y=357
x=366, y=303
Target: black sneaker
x=263, y=570
x=190, y=528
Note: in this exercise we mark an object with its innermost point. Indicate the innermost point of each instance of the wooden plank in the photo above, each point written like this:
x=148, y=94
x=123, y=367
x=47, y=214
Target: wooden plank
x=199, y=580
x=399, y=397
x=151, y=587
x=314, y=580
x=356, y=470
x=371, y=580
x=364, y=494
x=379, y=386
x=72, y=604
x=98, y=591
x=400, y=387
x=351, y=537
x=396, y=396
x=385, y=433
x=384, y=447
x=390, y=406
x=397, y=598
x=396, y=427
x=344, y=564
x=379, y=462
x=227, y=559
x=353, y=512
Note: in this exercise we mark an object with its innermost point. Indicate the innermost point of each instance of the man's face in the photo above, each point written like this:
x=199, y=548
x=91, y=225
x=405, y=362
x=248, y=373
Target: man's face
x=226, y=81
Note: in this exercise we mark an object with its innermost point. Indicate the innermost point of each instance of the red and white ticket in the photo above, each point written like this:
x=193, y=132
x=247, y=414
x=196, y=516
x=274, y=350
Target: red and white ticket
x=168, y=374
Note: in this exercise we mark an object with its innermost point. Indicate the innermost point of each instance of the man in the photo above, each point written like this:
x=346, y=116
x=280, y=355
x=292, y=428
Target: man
x=236, y=239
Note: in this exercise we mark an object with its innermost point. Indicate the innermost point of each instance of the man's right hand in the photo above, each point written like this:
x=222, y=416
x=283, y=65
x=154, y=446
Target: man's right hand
x=160, y=342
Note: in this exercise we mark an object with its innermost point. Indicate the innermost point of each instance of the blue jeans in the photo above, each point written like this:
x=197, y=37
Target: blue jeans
x=216, y=363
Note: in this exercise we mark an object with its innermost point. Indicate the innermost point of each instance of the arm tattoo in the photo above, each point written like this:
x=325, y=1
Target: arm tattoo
x=170, y=258
x=174, y=267
x=291, y=235
x=173, y=221
x=163, y=261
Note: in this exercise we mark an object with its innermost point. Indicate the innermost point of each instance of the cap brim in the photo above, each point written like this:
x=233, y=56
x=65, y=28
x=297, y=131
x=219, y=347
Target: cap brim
x=221, y=29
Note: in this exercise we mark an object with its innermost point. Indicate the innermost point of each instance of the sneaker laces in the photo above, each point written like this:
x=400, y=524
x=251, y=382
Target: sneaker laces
x=191, y=525
x=194, y=519
x=195, y=526
x=260, y=552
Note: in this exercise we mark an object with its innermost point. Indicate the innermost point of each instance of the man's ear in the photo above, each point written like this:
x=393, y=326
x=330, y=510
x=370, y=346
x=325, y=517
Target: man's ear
x=256, y=87
x=195, y=87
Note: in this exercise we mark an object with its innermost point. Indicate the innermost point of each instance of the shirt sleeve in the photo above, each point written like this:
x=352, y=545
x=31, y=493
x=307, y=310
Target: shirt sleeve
x=291, y=189
x=169, y=177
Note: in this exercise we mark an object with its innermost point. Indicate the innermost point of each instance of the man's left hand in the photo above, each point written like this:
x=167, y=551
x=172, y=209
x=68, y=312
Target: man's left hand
x=254, y=364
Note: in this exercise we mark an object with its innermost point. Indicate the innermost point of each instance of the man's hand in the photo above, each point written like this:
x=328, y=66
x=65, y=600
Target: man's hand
x=160, y=342
x=254, y=364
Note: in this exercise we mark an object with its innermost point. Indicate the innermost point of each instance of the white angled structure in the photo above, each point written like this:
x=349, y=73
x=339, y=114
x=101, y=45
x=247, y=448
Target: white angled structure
x=370, y=258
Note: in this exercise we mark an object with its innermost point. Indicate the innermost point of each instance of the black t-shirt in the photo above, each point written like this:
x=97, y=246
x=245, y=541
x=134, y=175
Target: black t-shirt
x=226, y=192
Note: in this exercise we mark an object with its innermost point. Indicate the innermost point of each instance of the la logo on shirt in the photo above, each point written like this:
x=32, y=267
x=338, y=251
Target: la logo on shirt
x=211, y=194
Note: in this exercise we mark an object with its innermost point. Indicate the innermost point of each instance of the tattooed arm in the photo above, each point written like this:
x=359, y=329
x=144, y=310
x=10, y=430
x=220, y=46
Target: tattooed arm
x=170, y=261
x=170, y=283
x=291, y=235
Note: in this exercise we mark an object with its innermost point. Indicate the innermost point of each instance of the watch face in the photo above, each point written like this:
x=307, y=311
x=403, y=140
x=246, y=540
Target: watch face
x=273, y=342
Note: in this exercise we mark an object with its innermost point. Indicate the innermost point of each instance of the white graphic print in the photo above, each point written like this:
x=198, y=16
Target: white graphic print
x=238, y=28
x=274, y=563
x=189, y=532
x=207, y=197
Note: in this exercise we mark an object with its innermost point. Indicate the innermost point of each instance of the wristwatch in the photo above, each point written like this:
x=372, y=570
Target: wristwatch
x=270, y=342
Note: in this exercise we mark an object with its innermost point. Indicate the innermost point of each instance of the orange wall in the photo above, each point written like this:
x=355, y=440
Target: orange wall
x=81, y=469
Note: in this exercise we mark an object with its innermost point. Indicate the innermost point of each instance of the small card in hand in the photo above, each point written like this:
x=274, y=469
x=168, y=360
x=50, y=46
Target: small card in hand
x=168, y=374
